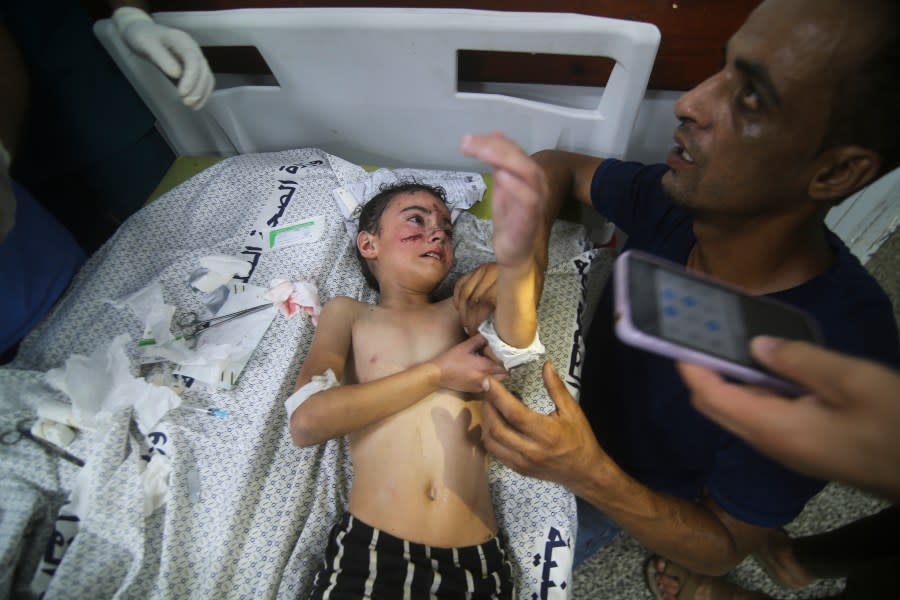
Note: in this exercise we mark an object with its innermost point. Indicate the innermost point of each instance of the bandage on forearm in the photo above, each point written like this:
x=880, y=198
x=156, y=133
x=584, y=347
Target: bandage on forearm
x=510, y=356
x=318, y=383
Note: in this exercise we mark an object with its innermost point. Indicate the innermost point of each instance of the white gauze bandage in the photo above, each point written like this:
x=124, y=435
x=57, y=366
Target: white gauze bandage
x=510, y=356
x=318, y=383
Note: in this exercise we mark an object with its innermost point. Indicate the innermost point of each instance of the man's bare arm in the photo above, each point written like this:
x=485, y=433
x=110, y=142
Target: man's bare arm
x=561, y=447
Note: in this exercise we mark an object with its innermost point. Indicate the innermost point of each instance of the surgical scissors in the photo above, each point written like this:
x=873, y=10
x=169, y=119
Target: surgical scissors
x=23, y=430
x=190, y=325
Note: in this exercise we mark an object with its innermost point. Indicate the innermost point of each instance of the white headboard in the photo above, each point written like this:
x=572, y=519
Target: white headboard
x=379, y=85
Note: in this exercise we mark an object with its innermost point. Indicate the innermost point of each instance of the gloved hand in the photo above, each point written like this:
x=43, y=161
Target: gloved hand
x=172, y=50
x=7, y=198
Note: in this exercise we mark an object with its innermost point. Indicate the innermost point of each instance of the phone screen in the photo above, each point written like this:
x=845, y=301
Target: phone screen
x=692, y=312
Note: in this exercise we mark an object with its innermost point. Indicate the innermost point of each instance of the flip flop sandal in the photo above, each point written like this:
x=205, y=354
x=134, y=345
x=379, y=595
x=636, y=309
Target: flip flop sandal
x=690, y=581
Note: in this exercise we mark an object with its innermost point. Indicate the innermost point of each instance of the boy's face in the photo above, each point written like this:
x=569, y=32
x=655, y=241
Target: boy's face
x=414, y=241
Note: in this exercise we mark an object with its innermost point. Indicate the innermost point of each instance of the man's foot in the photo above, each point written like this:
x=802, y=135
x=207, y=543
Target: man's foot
x=777, y=559
x=669, y=581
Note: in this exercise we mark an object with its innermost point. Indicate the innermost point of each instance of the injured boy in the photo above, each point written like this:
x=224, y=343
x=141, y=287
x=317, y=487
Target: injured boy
x=402, y=380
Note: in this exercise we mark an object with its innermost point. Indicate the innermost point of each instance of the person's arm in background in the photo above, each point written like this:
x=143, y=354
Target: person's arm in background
x=556, y=176
x=13, y=102
x=845, y=429
x=173, y=51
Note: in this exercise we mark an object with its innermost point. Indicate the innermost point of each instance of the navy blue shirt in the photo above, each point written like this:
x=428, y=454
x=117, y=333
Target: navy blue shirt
x=636, y=401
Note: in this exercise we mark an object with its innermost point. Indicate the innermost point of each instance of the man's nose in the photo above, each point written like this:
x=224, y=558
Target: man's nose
x=698, y=104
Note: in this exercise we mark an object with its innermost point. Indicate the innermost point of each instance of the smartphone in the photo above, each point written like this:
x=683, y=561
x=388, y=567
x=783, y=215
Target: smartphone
x=664, y=309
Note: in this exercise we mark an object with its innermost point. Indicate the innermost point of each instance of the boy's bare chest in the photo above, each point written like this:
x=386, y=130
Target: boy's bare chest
x=386, y=342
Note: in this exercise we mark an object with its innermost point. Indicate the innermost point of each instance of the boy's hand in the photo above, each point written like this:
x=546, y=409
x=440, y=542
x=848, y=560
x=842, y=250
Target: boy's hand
x=518, y=197
x=462, y=369
x=475, y=296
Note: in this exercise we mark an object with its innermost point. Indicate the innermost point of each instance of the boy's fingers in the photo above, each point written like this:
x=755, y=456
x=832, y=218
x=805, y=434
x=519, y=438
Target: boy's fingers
x=498, y=152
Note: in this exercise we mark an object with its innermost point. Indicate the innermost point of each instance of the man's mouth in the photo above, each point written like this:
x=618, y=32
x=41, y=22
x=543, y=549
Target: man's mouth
x=435, y=255
x=681, y=149
x=684, y=154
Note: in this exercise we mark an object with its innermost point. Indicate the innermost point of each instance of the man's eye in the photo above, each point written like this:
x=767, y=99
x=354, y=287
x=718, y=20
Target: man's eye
x=749, y=98
x=417, y=219
x=449, y=233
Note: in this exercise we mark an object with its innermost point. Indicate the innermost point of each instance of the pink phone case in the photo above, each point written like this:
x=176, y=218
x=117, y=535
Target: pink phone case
x=629, y=334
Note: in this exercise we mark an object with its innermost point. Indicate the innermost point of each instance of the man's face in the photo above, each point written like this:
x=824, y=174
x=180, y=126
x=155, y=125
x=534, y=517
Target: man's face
x=750, y=134
x=415, y=240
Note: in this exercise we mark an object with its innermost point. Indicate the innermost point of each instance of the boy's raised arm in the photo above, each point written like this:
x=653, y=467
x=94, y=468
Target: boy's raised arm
x=520, y=230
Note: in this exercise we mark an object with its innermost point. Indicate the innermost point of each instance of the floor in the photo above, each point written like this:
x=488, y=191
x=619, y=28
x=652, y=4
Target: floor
x=616, y=571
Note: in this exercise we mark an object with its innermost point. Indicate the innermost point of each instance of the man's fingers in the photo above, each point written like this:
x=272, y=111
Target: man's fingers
x=519, y=416
x=474, y=343
x=494, y=369
x=496, y=433
x=813, y=367
x=504, y=438
x=557, y=390
x=748, y=412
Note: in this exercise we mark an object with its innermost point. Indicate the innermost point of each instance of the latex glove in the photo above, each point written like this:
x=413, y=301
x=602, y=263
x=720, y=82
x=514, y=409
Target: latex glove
x=7, y=198
x=173, y=51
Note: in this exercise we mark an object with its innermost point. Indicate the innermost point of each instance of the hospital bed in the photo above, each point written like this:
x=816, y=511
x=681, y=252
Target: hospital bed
x=189, y=503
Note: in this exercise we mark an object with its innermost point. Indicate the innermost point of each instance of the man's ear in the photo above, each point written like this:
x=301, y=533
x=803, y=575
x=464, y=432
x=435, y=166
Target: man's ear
x=843, y=170
x=365, y=241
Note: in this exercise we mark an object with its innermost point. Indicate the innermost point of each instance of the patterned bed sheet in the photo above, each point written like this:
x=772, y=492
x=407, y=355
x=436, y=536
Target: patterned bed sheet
x=246, y=514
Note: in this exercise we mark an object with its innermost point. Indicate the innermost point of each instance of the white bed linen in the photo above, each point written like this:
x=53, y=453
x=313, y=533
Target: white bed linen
x=247, y=513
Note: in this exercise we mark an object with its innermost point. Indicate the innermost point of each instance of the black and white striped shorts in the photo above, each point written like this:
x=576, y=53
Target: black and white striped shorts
x=364, y=562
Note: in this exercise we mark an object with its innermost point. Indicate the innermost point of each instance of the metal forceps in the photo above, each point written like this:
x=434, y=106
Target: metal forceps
x=191, y=325
x=23, y=430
